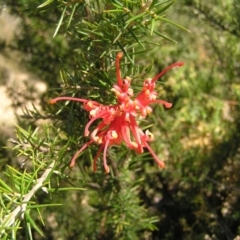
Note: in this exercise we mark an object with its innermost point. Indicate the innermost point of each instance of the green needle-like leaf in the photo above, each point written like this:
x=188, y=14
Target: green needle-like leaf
x=45, y=3
x=60, y=22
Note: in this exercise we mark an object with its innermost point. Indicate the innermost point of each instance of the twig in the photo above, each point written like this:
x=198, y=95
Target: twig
x=11, y=217
x=27, y=145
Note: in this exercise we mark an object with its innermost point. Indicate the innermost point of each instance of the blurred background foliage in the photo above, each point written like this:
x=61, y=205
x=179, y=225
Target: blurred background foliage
x=197, y=195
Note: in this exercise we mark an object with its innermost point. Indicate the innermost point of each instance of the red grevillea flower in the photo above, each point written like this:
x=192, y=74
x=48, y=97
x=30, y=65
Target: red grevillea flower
x=118, y=122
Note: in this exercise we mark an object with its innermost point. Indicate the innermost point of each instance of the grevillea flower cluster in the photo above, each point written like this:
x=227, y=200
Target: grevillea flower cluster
x=118, y=123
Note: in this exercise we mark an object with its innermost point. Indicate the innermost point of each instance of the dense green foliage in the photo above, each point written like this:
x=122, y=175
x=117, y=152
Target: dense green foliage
x=197, y=195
